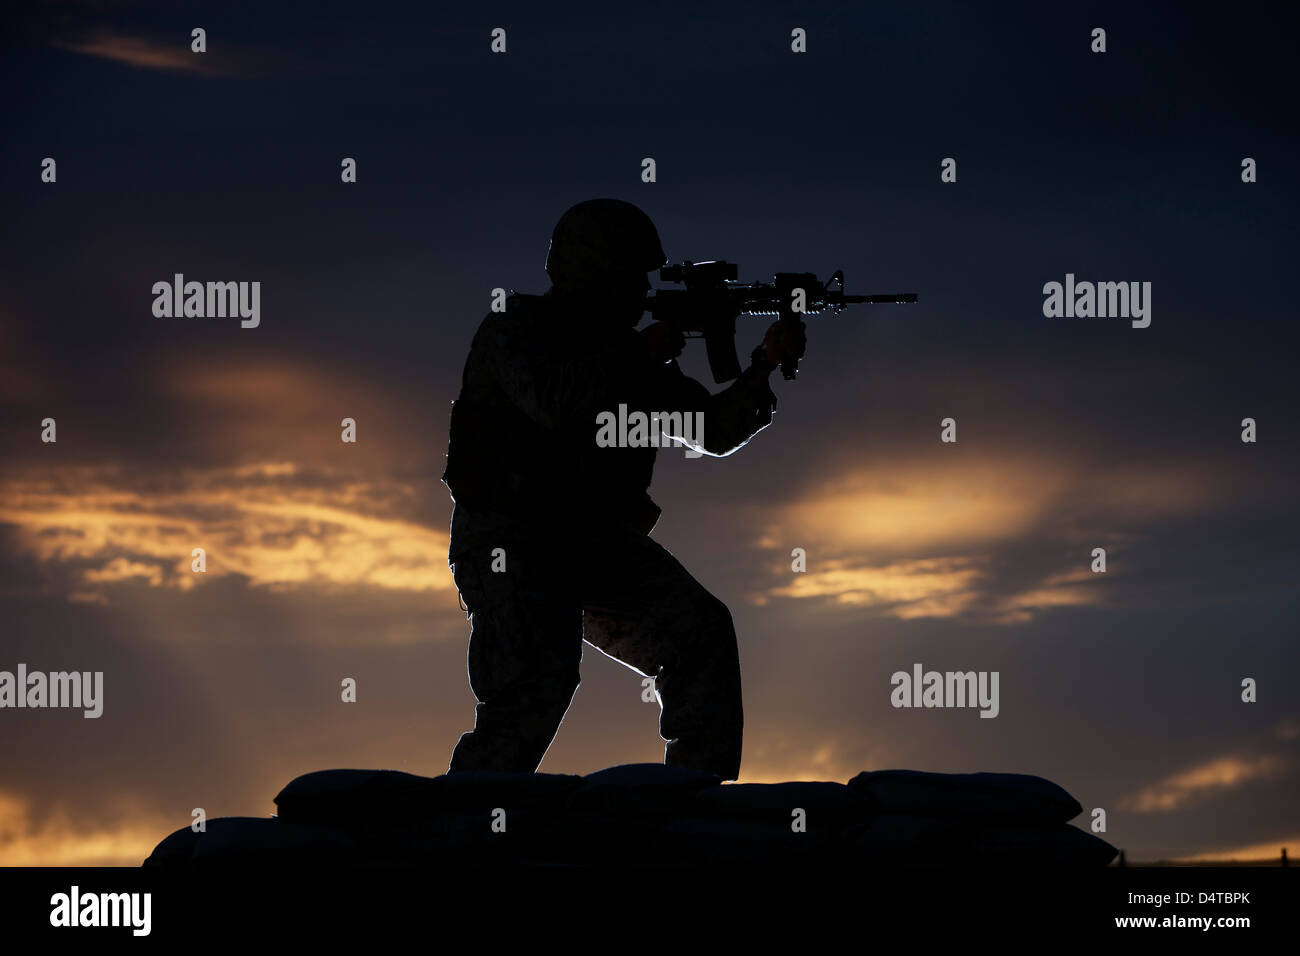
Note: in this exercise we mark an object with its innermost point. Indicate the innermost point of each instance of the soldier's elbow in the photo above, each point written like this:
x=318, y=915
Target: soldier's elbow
x=722, y=449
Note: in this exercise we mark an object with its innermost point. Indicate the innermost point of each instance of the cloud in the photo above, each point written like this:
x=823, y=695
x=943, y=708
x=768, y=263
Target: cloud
x=796, y=749
x=139, y=52
x=122, y=569
x=1067, y=589
x=906, y=507
x=278, y=525
x=1203, y=781
x=174, y=54
x=938, y=587
x=272, y=409
x=994, y=539
x=1269, y=850
x=1288, y=728
x=61, y=840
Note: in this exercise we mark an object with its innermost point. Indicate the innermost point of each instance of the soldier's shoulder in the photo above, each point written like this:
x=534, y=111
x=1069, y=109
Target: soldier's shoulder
x=519, y=305
x=522, y=303
x=519, y=309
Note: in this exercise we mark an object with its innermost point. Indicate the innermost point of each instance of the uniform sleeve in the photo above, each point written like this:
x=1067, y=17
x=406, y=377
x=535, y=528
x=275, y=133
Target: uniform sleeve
x=731, y=417
x=554, y=389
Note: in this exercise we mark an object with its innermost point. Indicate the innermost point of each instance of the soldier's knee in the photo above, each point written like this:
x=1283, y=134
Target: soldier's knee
x=709, y=644
x=715, y=631
x=554, y=691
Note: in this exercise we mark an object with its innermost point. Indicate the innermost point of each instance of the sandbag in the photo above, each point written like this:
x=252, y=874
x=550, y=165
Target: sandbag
x=372, y=799
x=907, y=840
x=647, y=789
x=264, y=840
x=175, y=850
x=704, y=840
x=583, y=838
x=1060, y=845
x=982, y=797
x=826, y=805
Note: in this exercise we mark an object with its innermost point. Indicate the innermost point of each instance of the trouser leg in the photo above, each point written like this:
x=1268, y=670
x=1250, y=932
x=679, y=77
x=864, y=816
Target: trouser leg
x=641, y=607
x=524, y=654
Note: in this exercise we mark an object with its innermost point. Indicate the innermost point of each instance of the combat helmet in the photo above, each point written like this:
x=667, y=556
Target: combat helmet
x=599, y=240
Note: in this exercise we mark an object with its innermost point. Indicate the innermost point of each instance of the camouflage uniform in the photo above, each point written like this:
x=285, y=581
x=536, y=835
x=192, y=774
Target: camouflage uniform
x=573, y=520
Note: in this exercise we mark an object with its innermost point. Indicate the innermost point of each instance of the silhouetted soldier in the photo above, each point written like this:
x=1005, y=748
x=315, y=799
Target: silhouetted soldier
x=572, y=519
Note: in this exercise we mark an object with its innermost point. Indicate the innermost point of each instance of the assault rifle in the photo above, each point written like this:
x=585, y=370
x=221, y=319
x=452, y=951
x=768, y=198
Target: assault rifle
x=712, y=299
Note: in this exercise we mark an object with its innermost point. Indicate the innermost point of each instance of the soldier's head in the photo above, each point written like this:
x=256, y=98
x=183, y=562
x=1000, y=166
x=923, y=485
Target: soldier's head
x=601, y=251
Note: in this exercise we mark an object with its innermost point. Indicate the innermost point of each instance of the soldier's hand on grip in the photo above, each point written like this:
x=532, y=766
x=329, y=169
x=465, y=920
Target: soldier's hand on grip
x=784, y=340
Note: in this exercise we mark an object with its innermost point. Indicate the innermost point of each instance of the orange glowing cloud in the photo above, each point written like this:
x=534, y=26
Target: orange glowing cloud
x=62, y=840
x=174, y=54
x=779, y=755
x=916, y=507
x=271, y=409
x=140, y=52
x=916, y=539
x=1254, y=852
x=1215, y=776
x=904, y=508
x=1071, y=589
x=940, y=587
x=265, y=521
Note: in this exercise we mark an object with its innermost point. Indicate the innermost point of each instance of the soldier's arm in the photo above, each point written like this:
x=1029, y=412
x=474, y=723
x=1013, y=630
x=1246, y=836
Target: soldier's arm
x=554, y=389
x=731, y=417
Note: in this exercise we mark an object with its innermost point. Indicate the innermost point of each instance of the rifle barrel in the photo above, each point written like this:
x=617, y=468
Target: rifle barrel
x=901, y=297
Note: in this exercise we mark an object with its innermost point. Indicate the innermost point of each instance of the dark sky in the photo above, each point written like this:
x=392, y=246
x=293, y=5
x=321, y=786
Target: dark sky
x=329, y=560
